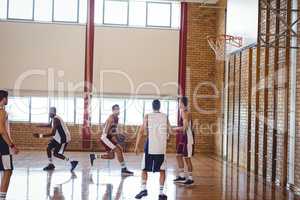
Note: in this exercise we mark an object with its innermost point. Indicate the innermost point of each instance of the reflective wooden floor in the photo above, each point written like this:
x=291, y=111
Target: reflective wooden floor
x=214, y=180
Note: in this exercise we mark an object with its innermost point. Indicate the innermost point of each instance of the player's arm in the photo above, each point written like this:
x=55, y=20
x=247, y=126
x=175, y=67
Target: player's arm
x=185, y=118
x=140, y=134
x=3, y=130
x=107, y=125
x=170, y=129
x=56, y=124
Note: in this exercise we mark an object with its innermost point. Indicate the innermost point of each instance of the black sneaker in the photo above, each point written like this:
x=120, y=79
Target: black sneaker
x=49, y=167
x=162, y=197
x=188, y=182
x=179, y=179
x=74, y=164
x=142, y=194
x=92, y=159
x=126, y=172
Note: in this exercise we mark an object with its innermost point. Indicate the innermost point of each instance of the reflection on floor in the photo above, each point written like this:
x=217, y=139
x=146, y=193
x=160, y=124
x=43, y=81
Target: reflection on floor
x=213, y=181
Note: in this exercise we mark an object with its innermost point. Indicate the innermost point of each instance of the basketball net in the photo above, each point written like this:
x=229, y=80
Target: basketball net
x=223, y=45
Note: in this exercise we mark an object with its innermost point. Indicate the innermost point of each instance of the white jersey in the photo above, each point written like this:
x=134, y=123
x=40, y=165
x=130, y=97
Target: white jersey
x=157, y=125
x=62, y=134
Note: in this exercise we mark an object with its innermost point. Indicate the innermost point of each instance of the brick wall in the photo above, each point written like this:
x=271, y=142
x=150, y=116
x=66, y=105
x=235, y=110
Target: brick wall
x=22, y=135
x=262, y=113
x=201, y=73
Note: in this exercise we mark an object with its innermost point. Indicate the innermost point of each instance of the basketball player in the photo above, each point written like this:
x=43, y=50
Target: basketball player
x=7, y=147
x=60, y=139
x=184, y=144
x=109, y=140
x=157, y=128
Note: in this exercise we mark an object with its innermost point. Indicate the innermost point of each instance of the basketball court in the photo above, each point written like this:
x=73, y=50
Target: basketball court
x=149, y=99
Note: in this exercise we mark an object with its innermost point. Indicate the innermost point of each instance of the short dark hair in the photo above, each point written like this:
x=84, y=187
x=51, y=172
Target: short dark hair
x=115, y=106
x=184, y=100
x=53, y=109
x=156, y=104
x=3, y=94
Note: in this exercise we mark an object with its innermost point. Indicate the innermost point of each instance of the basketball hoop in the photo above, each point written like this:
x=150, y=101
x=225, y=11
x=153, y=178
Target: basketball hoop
x=223, y=44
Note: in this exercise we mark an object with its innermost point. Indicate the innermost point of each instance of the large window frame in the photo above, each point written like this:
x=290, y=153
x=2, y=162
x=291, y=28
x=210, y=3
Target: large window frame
x=100, y=99
x=79, y=13
x=162, y=3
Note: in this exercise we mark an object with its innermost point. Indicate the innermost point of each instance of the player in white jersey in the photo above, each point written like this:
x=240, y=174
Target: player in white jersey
x=157, y=128
x=60, y=138
x=7, y=147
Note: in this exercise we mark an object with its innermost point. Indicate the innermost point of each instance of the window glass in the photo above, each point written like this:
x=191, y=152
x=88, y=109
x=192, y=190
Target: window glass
x=79, y=110
x=137, y=13
x=159, y=14
x=134, y=111
x=18, y=109
x=176, y=15
x=65, y=10
x=98, y=12
x=115, y=12
x=43, y=10
x=3, y=9
x=83, y=11
x=95, y=110
x=173, y=112
x=64, y=108
x=39, y=109
x=20, y=9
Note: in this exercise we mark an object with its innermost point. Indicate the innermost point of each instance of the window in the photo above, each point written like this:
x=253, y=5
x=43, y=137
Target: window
x=158, y=14
x=66, y=10
x=43, y=10
x=79, y=110
x=98, y=11
x=18, y=109
x=173, y=112
x=176, y=15
x=39, y=109
x=134, y=112
x=106, y=109
x=95, y=110
x=20, y=9
x=137, y=13
x=64, y=108
x=83, y=11
x=3, y=9
x=115, y=12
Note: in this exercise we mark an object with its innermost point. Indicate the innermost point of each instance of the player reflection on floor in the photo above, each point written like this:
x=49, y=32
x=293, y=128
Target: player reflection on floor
x=57, y=190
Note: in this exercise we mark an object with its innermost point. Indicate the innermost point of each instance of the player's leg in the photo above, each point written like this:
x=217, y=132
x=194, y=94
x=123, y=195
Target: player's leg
x=188, y=162
x=160, y=166
x=144, y=191
x=180, y=177
x=49, y=149
x=59, y=153
x=119, y=152
x=109, y=145
x=5, y=183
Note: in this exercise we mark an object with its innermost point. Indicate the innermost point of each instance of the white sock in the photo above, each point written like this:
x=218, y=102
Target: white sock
x=190, y=175
x=67, y=159
x=161, y=189
x=50, y=160
x=144, y=185
x=2, y=195
x=123, y=165
x=181, y=172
